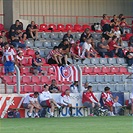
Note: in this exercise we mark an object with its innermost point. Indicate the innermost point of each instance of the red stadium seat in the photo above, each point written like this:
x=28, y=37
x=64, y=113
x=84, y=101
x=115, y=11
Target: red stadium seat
x=123, y=70
x=114, y=70
x=21, y=89
x=37, y=89
x=35, y=79
x=43, y=27
x=69, y=27
x=8, y=80
x=29, y=61
x=14, y=79
x=28, y=88
x=24, y=61
x=78, y=27
x=85, y=26
x=52, y=27
x=106, y=70
x=96, y=70
x=65, y=87
x=44, y=80
x=26, y=80
x=31, y=52
x=51, y=71
x=25, y=71
x=61, y=27
x=87, y=70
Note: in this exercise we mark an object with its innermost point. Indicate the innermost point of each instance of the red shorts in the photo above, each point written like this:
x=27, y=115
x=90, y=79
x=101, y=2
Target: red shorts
x=109, y=103
x=48, y=103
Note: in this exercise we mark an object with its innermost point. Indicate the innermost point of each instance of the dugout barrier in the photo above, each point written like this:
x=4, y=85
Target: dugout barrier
x=14, y=101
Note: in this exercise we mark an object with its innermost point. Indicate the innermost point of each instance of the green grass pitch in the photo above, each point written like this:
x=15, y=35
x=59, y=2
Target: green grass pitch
x=118, y=124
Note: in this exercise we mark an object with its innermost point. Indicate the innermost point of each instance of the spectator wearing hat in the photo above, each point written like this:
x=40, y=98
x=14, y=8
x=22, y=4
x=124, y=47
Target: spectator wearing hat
x=68, y=36
x=37, y=64
x=53, y=88
x=74, y=88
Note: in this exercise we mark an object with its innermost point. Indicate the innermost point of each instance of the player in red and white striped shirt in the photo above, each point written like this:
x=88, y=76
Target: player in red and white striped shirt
x=89, y=100
x=9, y=57
x=110, y=101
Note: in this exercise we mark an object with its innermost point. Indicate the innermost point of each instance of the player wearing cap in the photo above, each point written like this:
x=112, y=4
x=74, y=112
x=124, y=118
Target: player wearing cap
x=37, y=63
x=31, y=102
x=89, y=100
x=46, y=100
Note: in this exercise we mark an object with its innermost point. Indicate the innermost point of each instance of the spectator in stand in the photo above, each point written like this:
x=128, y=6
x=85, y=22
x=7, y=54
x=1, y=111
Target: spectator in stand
x=129, y=56
x=131, y=41
x=118, y=34
x=8, y=59
x=76, y=51
x=31, y=102
x=19, y=59
x=46, y=100
x=105, y=20
x=53, y=88
x=114, y=48
x=87, y=49
x=102, y=47
x=90, y=101
x=65, y=45
x=15, y=39
x=65, y=101
x=74, y=88
x=54, y=56
x=120, y=17
x=110, y=101
x=37, y=64
x=3, y=35
x=86, y=34
x=15, y=27
x=124, y=23
x=21, y=25
x=115, y=20
x=32, y=31
x=68, y=36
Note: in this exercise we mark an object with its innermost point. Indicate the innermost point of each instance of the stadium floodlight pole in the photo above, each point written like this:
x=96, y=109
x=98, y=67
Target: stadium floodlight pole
x=80, y=77
x=18, y=78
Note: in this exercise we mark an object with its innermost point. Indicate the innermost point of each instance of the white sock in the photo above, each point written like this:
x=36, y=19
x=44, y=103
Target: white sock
x=30, y=114
x=36, y=114
x=52, y=113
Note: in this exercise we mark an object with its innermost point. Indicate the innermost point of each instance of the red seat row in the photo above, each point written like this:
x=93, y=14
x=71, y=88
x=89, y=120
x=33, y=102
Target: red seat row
x=104, y=70
x=37, y=88
x=64, y=28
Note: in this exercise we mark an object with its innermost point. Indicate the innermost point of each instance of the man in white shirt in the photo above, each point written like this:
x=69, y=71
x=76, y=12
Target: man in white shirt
x=31, y=102
x=46, y=100
x=74, y=87
x=65, y=101
x=88, y=50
